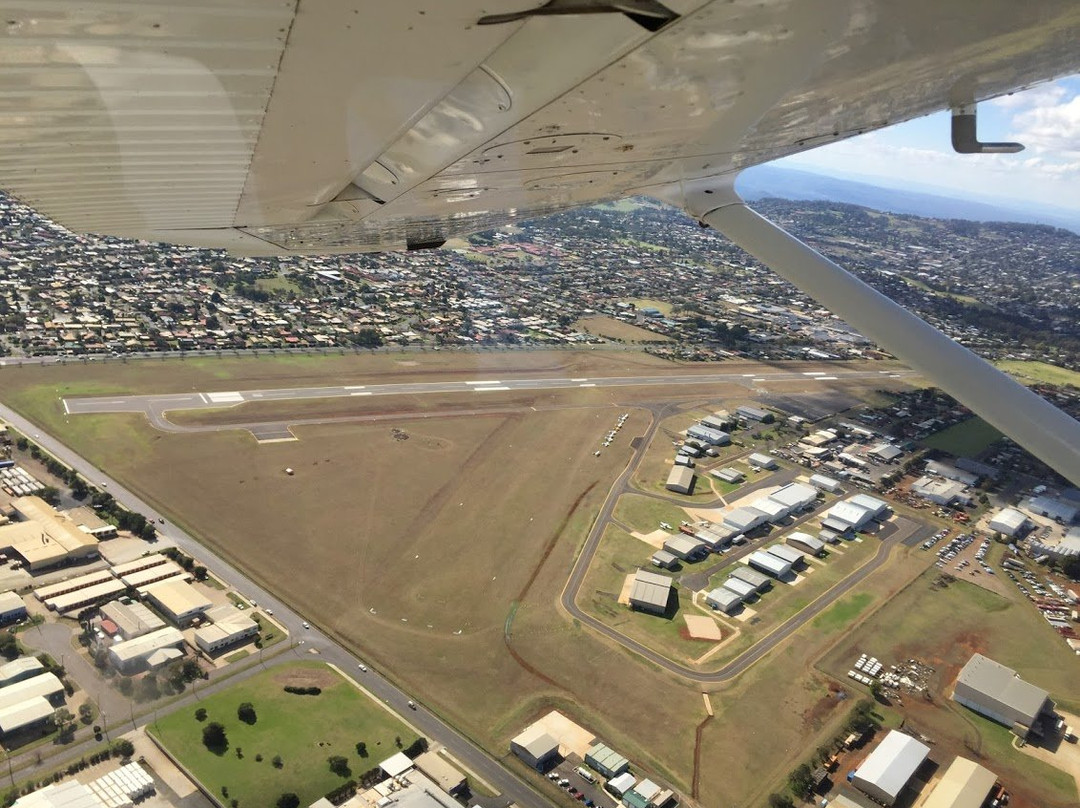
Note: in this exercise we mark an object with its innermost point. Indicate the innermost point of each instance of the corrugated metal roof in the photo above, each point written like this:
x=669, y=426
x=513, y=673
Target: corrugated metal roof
x=1001, y=683
x=892, y=763
x=965, y=784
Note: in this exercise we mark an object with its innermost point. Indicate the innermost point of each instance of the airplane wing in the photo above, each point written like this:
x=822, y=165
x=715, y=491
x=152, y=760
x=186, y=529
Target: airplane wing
x=278, y=126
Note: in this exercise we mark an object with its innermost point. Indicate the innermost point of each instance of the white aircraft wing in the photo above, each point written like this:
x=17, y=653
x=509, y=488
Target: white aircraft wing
x=275, y=126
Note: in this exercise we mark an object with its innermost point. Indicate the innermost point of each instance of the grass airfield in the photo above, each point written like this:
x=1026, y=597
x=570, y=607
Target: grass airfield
x=415, y=551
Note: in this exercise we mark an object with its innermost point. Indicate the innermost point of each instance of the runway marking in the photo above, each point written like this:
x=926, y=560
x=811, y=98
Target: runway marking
x=479, y=383
x=204, y=399
x=757, y=380
x=814, y=373
x=748, y=375
x=591, y=384
x=66, y=412
x=356, y=387
x=579, y=380
x=368, y=393
x=826, y=379
x=224, y=398
x=485, y=389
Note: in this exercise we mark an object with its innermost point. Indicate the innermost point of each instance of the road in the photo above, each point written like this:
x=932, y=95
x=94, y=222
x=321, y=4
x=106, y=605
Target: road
x=512, y=787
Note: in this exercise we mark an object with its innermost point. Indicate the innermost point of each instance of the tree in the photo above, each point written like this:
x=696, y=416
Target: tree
x=9, y=646
x=200, y=714
x=1071, y=567
x=124, y=748
x=339, y=765
x=801, y=779
x=277, y=762
x=214, y=738
x=780, y=801
x=126, y=685
x=62, y=717
x=361, y=749
x=50, y=494
x=246, y=713
x=86, y=712
x=288, y=800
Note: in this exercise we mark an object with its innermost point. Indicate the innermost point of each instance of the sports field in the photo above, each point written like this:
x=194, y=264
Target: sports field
x=943, y=625
x=413, y=546
x=965, y=439
x=303, y=730
x=1039, y=372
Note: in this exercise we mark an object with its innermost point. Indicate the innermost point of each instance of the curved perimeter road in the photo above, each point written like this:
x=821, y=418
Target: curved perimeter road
x=512, y=787
x=902, y=531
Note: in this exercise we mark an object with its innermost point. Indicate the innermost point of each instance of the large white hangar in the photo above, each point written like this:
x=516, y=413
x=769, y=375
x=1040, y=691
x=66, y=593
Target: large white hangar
x=991, y=689
x=889, y=768
x=768, y=563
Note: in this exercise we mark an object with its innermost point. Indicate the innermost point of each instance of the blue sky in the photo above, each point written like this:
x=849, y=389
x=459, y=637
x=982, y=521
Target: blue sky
x=917, y=155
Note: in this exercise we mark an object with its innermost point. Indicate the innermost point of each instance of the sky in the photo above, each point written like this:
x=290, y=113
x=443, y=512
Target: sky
x=917, y=155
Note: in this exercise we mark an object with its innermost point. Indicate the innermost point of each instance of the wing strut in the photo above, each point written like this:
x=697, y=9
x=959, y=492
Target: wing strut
x=1035, y=424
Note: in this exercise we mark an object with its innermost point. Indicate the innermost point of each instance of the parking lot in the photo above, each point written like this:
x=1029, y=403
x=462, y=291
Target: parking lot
x=966, y=556
x=566, y=776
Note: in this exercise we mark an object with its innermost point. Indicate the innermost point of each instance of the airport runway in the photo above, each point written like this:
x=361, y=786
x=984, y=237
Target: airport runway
x=155, y=405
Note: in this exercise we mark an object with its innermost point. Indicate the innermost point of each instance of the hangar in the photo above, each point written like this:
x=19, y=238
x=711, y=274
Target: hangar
x=680, y=480
x=535, y=747
x=743, y=520
x=751, y=576
x=824, y=483
x=788, y=554
x=965, y=784
x=762, y=461
x=1010, y=522
x=767, y=562
x=713, y=437
x=877, y=507
x=650, y=592
x=686, y=547
x=991, y=689
x=728, y=475
x=795, y=496
x=740, y=588
x=887, y=770
x=723, y=599
x=806, y=543
x=848, y=515
x=774, y=511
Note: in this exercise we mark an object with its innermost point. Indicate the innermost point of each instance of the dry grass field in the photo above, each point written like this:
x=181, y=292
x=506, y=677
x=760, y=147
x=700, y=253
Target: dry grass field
x=415, y=551
x=611, y=328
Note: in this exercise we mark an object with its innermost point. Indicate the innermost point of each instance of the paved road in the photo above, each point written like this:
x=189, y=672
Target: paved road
x=153, y=405
x=472, y=756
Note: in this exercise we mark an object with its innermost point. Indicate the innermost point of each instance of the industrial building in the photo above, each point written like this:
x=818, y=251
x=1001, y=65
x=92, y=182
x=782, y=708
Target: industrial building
x=133, y=654
x=18, y=669
x=795, y=496
x=728, y=475
x=681, y=480
x=806, y=543
x=768, y=563
x=84, y=598
x=712, y=538
x=606, y=760
x=829, y=536
x=941, y=491
x=643, y=795
x=724, y=599
x=889, y=768
x=46, y=685
x=951, y=472
x=121, y=788
x=664, y=560
x=131, y=619
x=743, y=520
x=721, y=419
x=846, y=515
x=46, y=593
x=762, y=461
x=823, y=483
x=139, y=564
x=34, y=710
x=621, y=784
x=1010, y=522
x=446, y=776
x=877, y=507
x=1051, y=508
x=788, y=554
x=965, y=784
x=229, y=627
x=684, y=460
x=774, y=511
x=886, y=452
x=650, y=592
x=751, y=576
x=754, y=414
x=991, y=689
x=12, y=608
x=178, y=600
x=43, y=537
x=739, y=587
x=686, y=547
x=152, y=575
x=713, y=437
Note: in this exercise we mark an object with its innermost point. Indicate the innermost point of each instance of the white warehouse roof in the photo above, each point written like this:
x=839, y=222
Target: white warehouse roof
x=766, y=562
x=795, y=495
x=889, y=767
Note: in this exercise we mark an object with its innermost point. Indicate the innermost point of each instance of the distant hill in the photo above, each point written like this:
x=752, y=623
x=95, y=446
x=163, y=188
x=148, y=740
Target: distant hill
x=785, y=183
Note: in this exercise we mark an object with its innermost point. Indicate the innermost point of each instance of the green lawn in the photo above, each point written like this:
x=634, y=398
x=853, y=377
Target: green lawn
x=1028, y=372
x=303, y=730
x=644, y=514
x=965, y=439
x=843, y=612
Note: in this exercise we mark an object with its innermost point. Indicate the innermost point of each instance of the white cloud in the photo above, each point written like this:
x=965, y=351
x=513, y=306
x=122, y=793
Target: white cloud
x=1041, y=96
x=1052, y=127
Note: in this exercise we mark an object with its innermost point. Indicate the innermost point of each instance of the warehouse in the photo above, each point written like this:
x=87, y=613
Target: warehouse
x=152, y=575
x=739, y=587
x=762, y=461
x=606, y=760
x=720, y=420
x=446, y=776
x=536, y=748
x=991, y=689
x=131, y=619
x=130, y=655
x=806, y=543
x=12, y=608
x=1051, y=508
x=754, y=414
x=686, y=547
x=728, y=475
x=823, y=483
x=664, y=560
x=35, y=710
x=751, y=576
x=681, y=480
x=941, y=492
x=828, y=536
x=45, y=593
x=90, y=596
x=795, y=496
x=621, y=784
x=650, y=592
x=723, y=599
x=713, y=437
x=788, y=554
x=774, y=511
x=684, y=460
x=1010, y=522
x=229, y=627
x=178, y=600
x=965, y=784
x=46, y=685
x=139, y=564
x=886, y=452
x=768, y=563
x=951, y=472
x=847, y=516
x=44, y=538
x=889, y=768
x=877, y=507
x=714, y=539
x=18, y=669
x=743, y=520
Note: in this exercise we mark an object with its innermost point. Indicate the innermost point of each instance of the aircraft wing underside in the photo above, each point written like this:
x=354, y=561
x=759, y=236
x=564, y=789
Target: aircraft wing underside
x=276, y=126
